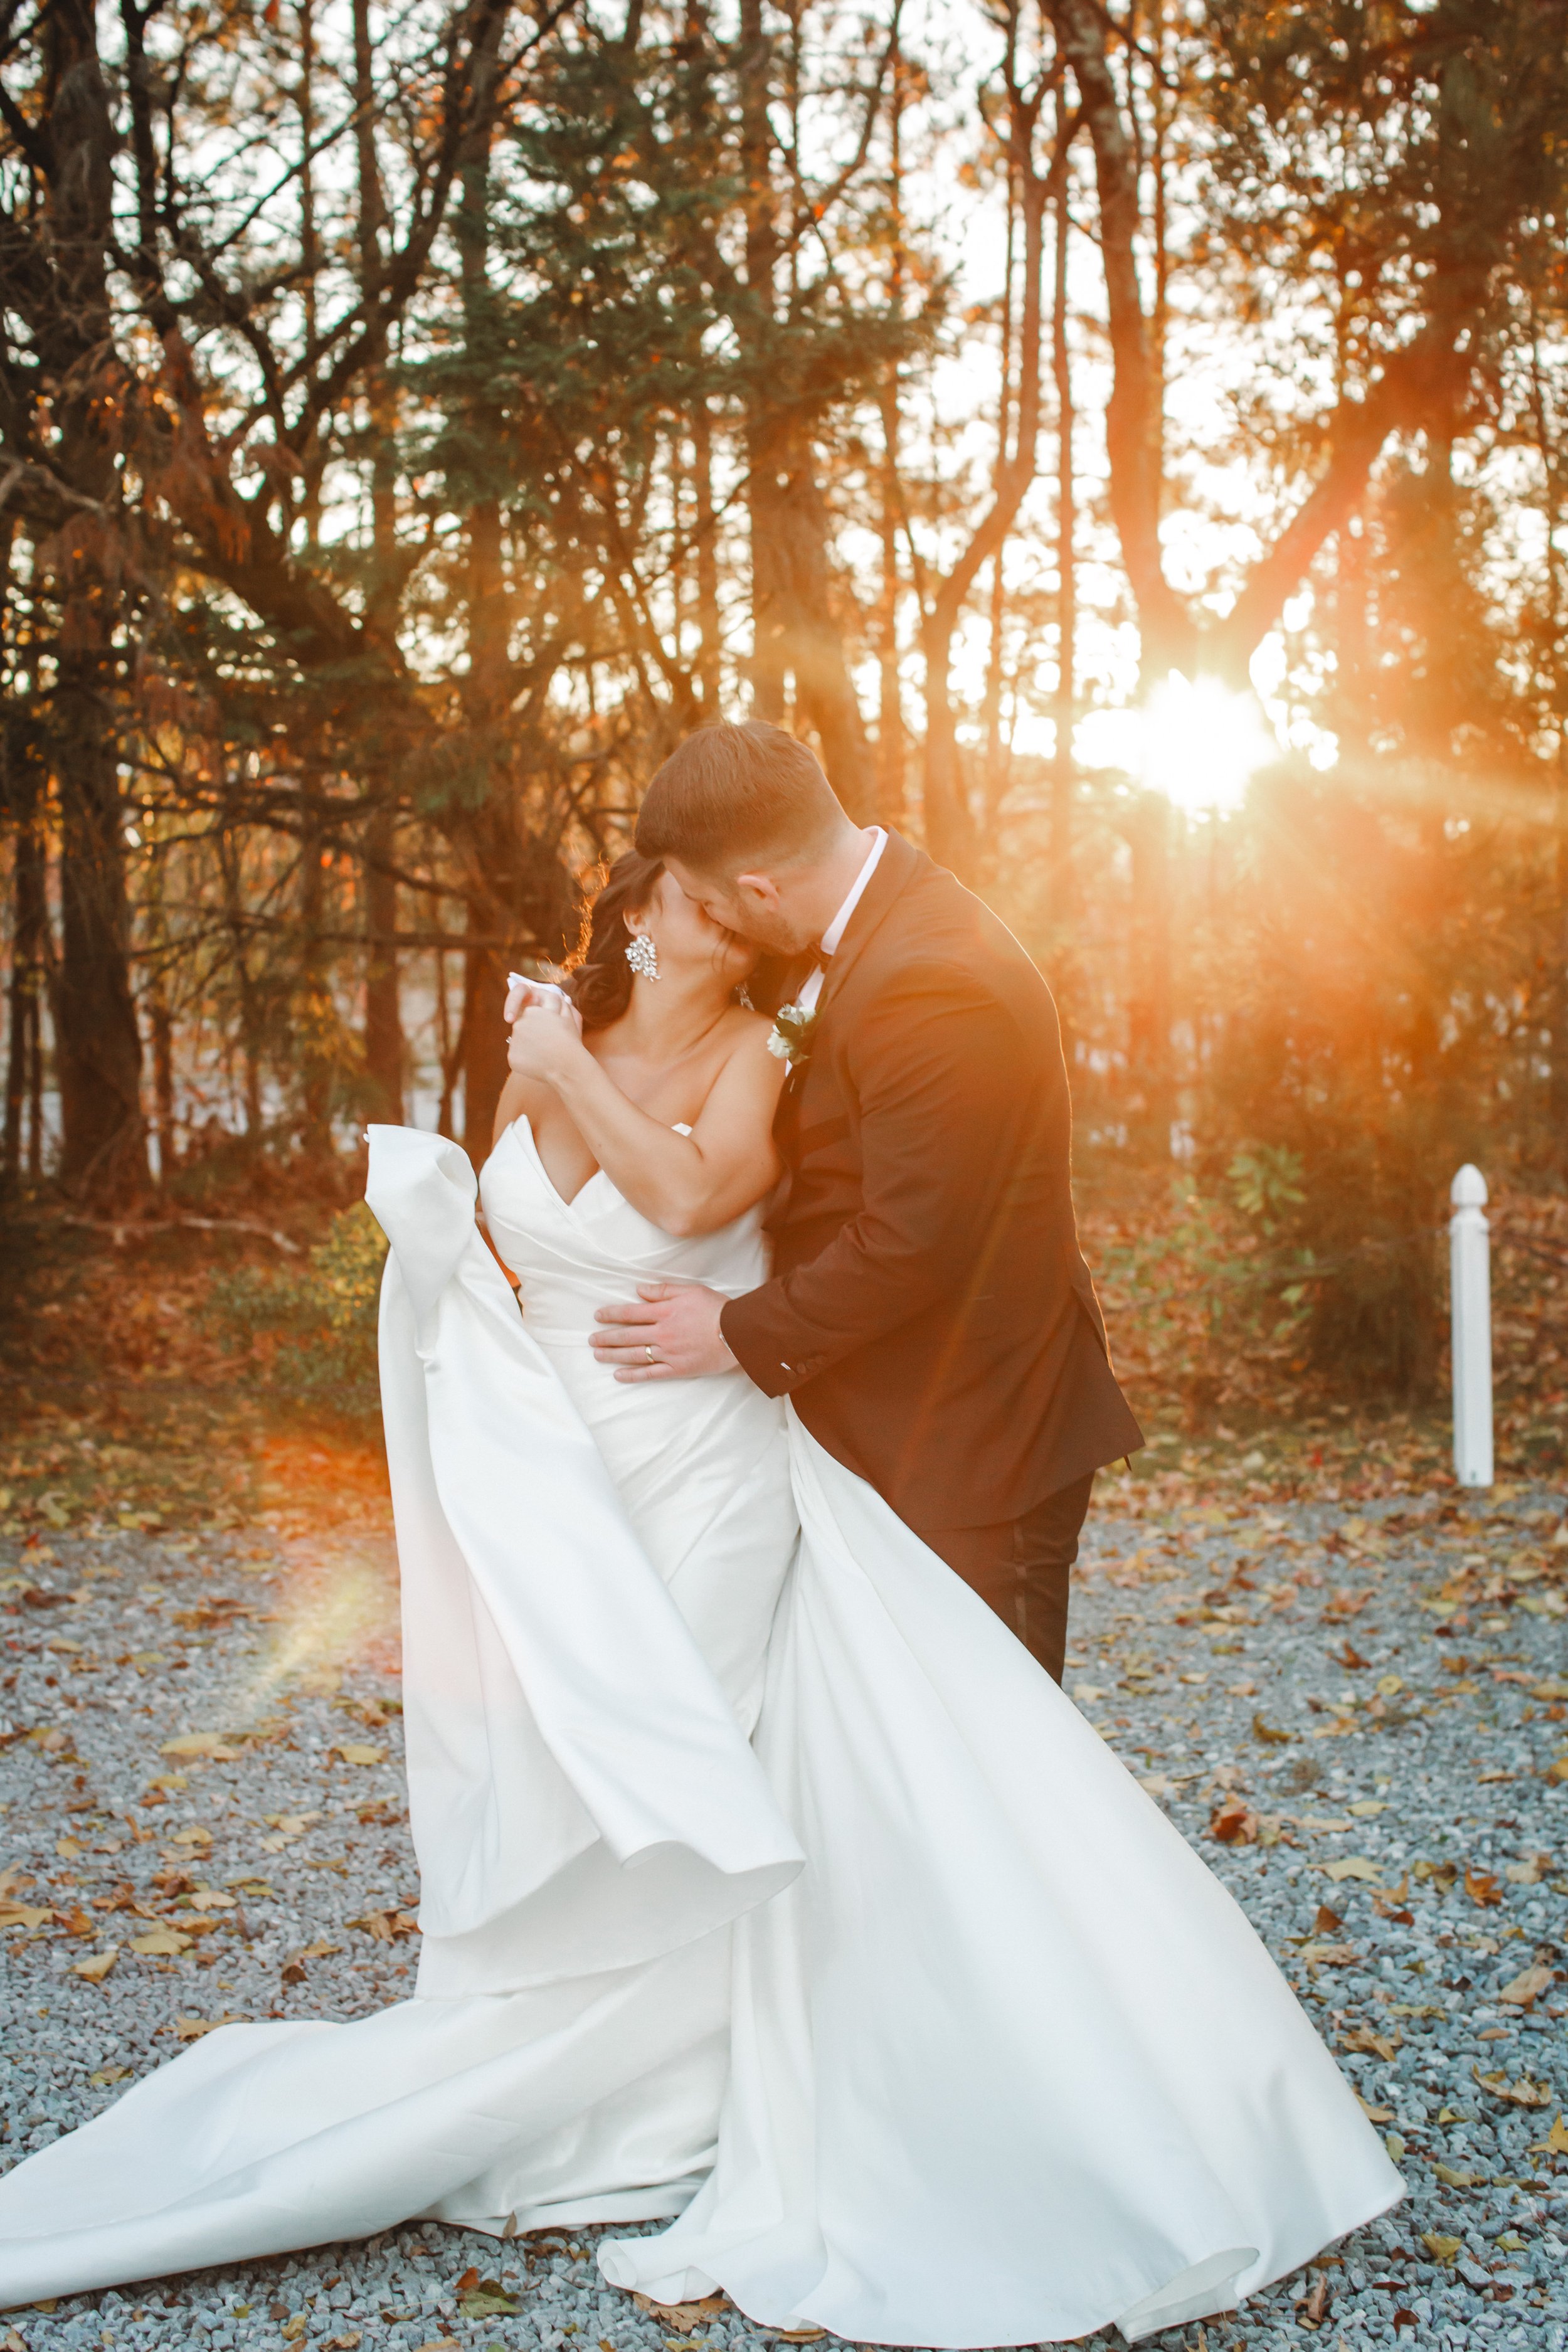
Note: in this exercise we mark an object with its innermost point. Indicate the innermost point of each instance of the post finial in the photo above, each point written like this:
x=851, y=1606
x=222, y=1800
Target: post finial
x=1468, y=1189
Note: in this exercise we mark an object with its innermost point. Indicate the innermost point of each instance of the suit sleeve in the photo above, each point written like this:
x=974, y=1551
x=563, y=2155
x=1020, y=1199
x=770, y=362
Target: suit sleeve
x=935, y=1065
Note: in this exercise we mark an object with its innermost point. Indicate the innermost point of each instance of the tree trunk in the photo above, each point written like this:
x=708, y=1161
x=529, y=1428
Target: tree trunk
x=1064, y=766
x=29, y=938
x=382, y=1011
x=948, y=821
x=794, y=634
x=383, y=1049
x=710, y=647
x=315, y=1023
x=252, y=1043
x=1132, y=424
x=1151, y=1093
x=97, y=1046
x=892, y=753
x=483, y=1037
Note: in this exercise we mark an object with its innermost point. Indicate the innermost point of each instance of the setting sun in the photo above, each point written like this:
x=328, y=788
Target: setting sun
x=1204, y=742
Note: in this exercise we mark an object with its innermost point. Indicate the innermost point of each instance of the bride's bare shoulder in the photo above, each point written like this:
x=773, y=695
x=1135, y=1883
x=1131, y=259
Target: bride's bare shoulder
x=746, y=1032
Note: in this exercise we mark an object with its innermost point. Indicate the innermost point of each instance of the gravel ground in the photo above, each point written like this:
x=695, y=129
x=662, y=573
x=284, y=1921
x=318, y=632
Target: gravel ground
x=1351, y=1710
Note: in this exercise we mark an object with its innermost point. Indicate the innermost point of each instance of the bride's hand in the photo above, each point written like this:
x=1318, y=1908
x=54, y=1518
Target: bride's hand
x=546, y=1042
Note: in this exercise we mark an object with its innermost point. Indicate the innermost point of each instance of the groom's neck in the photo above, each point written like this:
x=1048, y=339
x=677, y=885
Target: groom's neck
x=822, y=887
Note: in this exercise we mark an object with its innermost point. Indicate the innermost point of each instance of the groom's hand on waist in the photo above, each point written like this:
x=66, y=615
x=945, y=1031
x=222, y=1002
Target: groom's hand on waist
x=668, y=1333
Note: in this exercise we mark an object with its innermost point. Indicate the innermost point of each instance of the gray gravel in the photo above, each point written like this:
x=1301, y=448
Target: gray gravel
x=1286, y=1667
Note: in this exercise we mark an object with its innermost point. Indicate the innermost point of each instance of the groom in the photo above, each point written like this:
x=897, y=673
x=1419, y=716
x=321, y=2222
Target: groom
x=930, y=1313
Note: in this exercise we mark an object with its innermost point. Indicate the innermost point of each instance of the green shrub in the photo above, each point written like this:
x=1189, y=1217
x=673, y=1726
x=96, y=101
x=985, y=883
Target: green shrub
x=311, y=1328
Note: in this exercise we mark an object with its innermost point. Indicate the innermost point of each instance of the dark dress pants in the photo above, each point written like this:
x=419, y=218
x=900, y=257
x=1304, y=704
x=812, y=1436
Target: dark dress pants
x=1021, y=1568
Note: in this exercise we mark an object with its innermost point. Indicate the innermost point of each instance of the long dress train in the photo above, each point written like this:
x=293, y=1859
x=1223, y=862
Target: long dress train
x=1000, y=2063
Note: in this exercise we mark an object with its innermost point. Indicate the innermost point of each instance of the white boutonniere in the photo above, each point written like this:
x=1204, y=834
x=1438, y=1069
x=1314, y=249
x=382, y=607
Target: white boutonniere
x=790, y=1036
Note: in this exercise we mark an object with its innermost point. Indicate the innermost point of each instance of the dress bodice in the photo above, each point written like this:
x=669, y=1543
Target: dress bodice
x=686, y=1454
x=572, y=1256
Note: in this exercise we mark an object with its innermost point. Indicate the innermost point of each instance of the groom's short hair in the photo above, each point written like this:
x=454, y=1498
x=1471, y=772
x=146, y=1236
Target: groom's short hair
x=733, y=793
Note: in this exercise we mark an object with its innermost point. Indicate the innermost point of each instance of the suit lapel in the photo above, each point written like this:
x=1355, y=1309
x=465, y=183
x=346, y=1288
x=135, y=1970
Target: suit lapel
x=895, y=871
x=896, y=868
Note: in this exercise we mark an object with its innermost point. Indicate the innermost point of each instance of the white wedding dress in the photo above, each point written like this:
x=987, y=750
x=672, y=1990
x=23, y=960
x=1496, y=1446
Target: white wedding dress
x=767, y=1884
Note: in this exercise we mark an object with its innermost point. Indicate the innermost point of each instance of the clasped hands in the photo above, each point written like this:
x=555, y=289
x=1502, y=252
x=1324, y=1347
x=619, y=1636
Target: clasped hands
x=546, y=1033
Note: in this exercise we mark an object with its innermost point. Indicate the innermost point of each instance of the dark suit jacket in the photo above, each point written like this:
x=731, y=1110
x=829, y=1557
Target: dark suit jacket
x=930, y=1311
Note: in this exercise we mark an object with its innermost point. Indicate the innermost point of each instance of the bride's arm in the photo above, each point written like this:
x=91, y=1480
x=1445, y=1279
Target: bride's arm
x=685, y=1183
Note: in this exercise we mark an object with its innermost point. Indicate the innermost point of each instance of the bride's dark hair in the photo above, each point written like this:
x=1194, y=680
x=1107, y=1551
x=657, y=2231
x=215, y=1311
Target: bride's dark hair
x=599, y=981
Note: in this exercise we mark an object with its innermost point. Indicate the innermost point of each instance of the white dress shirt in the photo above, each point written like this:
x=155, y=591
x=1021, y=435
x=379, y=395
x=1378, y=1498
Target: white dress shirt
x=808, y=994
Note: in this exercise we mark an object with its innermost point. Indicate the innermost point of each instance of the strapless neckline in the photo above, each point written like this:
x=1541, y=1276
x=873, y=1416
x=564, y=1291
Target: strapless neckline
x=526, y=1124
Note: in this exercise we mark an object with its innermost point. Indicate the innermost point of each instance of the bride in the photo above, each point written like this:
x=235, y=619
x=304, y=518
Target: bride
x=770, y=1887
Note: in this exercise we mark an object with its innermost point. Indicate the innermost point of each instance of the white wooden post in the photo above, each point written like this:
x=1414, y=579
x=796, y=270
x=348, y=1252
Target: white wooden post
x=1470, y=1291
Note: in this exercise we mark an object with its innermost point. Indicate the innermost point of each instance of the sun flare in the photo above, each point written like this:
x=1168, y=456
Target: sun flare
x=1204, y=742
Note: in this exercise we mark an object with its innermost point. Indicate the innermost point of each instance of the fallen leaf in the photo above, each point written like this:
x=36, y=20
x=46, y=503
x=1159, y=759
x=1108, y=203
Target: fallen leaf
x=1364, y=1808
x=67, y=1848
x=1234, y=1823
x=1267, y=1733
x=1314, y=2304
x=1527, y=1987
x=1352, y=1866
x=353, y=1751
x=1452, y=2180
x=193, y=1835
x=191, y=2029
x=1481, y=1887
x=107, y=2075
x=1374, y=2115
x=483, y=2298
x=1522, y=2094
x=98, y=1968
x=203, y=1743
x=1554, y=2143
x=316, y=1952
x=1558, y=1769
x=686, y=2316
x=1441, y=2249
x=1329, y=1956
x=211, y=1898
x=163, y=1943
x=1327, y=1923
x=1377, y=2045
x=25, y=1914
x=1085, y=1694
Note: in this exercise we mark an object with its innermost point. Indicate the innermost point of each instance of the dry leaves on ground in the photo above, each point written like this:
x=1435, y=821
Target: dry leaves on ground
x=1522, y=2094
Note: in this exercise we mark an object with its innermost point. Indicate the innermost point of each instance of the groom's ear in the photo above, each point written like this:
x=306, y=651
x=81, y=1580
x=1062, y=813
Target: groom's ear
x=761, y=888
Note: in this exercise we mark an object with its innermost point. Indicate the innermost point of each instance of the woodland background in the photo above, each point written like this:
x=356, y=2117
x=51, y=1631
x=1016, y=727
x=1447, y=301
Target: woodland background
x=414, y=419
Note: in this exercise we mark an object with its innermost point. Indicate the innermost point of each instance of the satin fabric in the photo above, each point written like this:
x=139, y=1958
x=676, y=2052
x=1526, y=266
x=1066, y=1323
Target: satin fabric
x=1000, y=2063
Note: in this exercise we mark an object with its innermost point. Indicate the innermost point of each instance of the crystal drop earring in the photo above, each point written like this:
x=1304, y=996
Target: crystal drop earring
x=642, y=956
